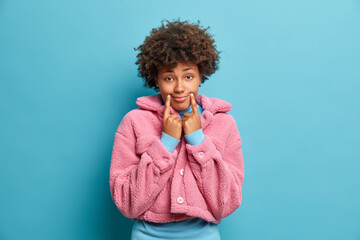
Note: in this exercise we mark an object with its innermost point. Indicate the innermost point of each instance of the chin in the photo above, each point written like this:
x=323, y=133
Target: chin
x=181, y=107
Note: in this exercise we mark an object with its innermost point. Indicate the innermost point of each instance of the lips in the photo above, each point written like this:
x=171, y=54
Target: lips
x=180, y=99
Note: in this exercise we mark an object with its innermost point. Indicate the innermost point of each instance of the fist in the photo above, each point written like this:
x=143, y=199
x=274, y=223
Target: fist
x=171, y=123
x=191, y=121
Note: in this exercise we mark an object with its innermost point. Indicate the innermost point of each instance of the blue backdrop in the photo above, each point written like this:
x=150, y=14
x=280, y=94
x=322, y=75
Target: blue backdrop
x=290, y=69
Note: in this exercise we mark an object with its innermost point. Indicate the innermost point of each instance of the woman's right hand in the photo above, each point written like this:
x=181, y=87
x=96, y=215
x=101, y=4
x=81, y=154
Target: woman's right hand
x=172, y=124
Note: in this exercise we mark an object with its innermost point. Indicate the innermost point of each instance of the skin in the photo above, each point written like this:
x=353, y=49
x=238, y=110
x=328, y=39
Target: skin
x=181, y=81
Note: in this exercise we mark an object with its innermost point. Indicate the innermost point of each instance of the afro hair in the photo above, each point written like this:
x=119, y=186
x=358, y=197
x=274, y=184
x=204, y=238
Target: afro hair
x=173, y=42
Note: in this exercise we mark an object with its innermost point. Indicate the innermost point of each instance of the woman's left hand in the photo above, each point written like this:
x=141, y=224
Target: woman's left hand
x=191, y=121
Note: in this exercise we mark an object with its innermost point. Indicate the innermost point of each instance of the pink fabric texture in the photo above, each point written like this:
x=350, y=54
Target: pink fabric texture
x=148, y=182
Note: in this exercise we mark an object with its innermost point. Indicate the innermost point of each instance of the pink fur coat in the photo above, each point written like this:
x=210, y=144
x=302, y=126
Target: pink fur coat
x=148, y=182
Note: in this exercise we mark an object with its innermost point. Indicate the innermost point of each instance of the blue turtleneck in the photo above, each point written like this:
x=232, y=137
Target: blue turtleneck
x=195, y=138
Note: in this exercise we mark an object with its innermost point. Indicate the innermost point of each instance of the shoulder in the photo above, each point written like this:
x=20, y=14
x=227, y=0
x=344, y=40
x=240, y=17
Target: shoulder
x=223, y=120
x=140, y=122
x=214, y=105
x=134, y=116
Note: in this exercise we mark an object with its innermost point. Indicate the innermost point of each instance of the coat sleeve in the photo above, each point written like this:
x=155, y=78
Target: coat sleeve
x=137, y=179
x=219, y=171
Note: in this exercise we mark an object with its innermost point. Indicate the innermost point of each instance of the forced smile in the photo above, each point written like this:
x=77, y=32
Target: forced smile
x=180, y=99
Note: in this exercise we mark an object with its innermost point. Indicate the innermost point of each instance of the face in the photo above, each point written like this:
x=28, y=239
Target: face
x=179, y=82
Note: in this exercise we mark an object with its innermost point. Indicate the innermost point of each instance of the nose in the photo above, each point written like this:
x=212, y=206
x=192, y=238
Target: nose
x=179, y=87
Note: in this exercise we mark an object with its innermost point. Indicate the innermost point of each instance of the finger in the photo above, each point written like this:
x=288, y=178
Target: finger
x=174, y=116
x=185, y=122
x=193, y=104
x=185, y=119
x=167, y=107
x=186, y=115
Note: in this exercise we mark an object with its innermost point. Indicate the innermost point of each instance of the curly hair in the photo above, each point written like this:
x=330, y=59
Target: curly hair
x=173, y=42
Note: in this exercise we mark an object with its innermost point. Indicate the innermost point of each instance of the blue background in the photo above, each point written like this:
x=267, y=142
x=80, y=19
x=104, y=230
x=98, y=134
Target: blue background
x=290, y=69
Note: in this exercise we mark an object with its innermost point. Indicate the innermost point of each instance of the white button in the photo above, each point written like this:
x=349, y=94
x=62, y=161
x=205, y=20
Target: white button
x=180, y=200
x=182, y=171
x=201, y=154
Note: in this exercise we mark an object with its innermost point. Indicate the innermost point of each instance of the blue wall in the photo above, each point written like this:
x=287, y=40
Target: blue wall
x=291, y=70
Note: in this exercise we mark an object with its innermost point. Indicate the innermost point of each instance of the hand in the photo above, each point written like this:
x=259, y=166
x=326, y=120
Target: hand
x=171, y=123
x=191, y=121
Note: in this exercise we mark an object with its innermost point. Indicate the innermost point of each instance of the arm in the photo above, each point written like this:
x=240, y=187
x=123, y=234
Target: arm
x=219, y=172
x=170, y=143
x=137, y=179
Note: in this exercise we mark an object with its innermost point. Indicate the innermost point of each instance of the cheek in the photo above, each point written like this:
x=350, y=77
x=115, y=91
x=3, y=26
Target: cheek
x=164, y=92
x=195, y=86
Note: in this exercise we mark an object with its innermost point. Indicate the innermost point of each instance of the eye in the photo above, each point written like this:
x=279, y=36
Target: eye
x=189, y=77
x=168, y=78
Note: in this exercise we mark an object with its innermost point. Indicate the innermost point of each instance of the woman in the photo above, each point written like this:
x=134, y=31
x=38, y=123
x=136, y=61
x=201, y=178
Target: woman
x=177, y=163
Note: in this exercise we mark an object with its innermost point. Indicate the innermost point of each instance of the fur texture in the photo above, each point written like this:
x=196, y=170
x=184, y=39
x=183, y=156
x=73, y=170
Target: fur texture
x=146, y=180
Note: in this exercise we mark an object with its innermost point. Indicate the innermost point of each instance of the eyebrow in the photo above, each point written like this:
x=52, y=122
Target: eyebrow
x=185, y=69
